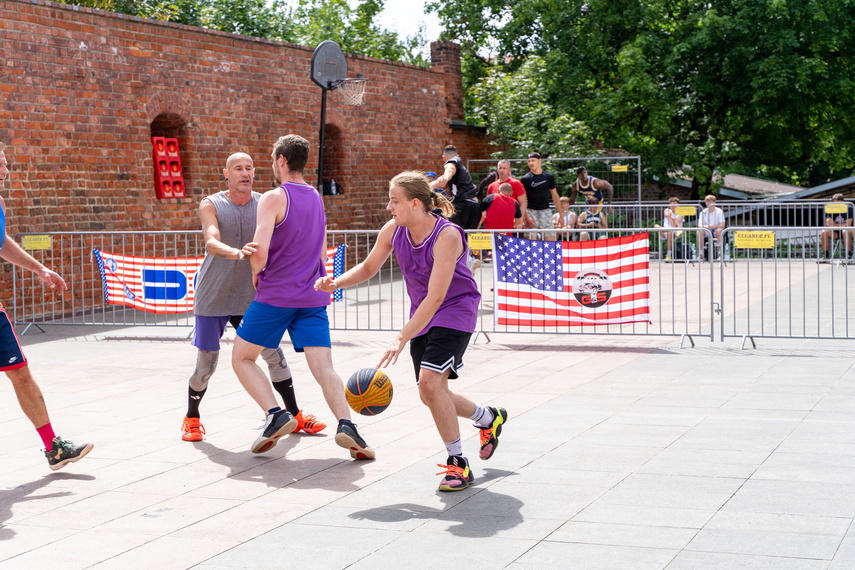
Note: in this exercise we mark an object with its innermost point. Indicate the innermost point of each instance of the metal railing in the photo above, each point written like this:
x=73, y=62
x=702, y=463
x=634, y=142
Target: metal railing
x=623, y=172
x=786, y=291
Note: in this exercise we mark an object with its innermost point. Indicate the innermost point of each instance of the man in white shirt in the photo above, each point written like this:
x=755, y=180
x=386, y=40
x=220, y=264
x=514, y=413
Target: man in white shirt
x=712, y=219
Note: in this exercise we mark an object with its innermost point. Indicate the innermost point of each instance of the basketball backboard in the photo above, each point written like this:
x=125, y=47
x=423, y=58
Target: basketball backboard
x=329, y=67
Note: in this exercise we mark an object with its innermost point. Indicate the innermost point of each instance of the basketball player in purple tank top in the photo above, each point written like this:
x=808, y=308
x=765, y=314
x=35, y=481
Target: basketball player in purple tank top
x=289, y=257
x=443, y=312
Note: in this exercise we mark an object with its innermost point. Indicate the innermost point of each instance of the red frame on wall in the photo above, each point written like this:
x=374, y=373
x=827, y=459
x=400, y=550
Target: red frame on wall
x=168, y=175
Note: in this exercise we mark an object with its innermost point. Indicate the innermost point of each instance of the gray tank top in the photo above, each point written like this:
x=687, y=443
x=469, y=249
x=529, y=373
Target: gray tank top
x=224, y=286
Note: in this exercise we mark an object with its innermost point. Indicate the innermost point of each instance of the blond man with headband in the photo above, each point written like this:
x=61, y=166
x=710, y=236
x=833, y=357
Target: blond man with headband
x=59, y=452
x=443, y=313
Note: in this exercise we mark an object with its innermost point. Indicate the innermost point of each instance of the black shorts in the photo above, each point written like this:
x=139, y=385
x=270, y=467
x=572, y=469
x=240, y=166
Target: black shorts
x=467, y=214
x=439, y=349
x=11, y=355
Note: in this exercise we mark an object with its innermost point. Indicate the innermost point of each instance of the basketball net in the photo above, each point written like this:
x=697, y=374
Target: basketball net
x=352, y=90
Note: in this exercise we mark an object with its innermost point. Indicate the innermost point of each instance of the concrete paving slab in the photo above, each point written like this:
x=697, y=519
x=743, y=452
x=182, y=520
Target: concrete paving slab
x=619, y=453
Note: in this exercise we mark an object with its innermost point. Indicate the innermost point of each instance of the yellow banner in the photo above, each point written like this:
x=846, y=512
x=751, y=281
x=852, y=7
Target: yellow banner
x=620, y=168
x=686, y=210
x=836, y=208
x=36, y=242
x=754, y=240
x=480, y=241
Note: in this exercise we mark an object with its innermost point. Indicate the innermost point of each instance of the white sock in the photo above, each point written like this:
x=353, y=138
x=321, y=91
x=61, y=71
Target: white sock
x=669, y=252
x=454, y=447
x=483, y=416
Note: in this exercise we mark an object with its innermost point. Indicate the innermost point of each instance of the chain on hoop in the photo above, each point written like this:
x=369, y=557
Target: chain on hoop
x=353, y=90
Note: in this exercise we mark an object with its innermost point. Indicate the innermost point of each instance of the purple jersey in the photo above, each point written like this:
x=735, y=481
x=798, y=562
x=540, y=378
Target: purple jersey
x=459, y=309
x=294, y=257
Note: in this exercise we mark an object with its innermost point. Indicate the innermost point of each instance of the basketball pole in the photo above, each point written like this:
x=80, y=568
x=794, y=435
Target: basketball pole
x=321, y=146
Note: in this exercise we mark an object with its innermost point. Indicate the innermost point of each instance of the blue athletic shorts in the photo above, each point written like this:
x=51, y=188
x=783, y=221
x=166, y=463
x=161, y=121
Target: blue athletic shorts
x=11, y=355
x=209, y=331
x=265, y=325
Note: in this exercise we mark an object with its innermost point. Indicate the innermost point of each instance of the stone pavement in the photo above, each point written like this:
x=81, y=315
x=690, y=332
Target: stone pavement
x=620, y=452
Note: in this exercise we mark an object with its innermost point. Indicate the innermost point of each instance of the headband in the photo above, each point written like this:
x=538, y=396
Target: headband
x=533, y=155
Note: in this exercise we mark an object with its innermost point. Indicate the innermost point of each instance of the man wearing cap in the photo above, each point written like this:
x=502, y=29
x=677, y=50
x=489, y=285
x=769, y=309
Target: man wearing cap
x=539, y=188
x=503, y=170
x=459, y=186
x=590, y=186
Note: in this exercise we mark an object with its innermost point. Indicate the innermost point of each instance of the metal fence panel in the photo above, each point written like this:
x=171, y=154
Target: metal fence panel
x=623, y=172
x=70, y=255
x=787, y=291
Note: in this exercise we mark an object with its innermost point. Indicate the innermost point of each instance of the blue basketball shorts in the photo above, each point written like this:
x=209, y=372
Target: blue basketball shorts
x=11, y=355
x=439, y=349
x=209, y=331
x=265, y=325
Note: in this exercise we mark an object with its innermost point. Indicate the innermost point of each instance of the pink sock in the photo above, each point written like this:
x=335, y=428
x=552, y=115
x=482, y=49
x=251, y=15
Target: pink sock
x=47, y=435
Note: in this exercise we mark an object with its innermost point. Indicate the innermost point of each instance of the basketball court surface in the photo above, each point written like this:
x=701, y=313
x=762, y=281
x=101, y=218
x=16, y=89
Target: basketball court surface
x=620, y=452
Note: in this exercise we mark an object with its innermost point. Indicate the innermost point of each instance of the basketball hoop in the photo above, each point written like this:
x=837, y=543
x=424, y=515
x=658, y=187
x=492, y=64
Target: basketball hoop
x=353, y=90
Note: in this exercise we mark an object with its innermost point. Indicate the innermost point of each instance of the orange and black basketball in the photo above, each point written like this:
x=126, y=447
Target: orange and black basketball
x=369, y=391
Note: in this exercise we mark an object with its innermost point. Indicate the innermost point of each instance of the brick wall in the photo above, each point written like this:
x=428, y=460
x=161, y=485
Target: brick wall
x=83, y=91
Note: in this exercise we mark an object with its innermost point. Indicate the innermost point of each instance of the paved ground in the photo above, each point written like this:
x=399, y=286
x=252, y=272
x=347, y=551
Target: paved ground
x=620, y=452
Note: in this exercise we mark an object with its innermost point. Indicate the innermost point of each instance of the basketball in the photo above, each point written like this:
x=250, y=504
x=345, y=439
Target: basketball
x=369, y=391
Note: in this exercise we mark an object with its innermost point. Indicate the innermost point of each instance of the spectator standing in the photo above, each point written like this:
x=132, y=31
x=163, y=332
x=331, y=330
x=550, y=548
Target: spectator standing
x=503, y=171
x=590, y=186
x=460, y=188
x=539, y=188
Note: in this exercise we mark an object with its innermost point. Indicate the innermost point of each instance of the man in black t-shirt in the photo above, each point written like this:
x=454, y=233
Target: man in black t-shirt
x=458, y=184
x=539, y=188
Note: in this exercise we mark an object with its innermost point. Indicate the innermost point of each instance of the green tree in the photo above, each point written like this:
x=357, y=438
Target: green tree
x=521, y=116
x=751, y=86
x=309, y=23
x=354, y=30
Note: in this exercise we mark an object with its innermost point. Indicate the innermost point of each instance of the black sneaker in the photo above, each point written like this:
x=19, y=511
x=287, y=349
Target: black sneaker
x=346, y=436
x=64, y=452
x=458, y=476
x=275, y=426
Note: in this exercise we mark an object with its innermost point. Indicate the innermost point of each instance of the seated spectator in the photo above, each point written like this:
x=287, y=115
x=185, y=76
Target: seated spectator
x=569, y=218
x=712, y=218
x=593, y=218
x=841, y=220
x=670, y=219
x=499, y=211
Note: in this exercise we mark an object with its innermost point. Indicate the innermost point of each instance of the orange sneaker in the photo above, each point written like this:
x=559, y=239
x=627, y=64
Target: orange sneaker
x=192, y=429
x=308, y=423
x=458, y=476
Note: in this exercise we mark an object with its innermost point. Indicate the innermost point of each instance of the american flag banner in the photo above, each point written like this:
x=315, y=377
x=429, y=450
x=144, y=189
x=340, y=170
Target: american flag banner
x=570, y=283
x=335, y=267
x=153, y=284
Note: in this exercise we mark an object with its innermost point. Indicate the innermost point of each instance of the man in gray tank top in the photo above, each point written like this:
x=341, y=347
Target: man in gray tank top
x=224, y=291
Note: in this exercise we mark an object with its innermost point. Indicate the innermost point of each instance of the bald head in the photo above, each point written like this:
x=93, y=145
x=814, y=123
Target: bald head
x=237, y=156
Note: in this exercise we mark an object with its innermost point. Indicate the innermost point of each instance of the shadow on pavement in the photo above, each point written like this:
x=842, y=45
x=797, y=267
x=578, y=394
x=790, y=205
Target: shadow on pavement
x=21, y=493
x=278, y=472
x=470, y=523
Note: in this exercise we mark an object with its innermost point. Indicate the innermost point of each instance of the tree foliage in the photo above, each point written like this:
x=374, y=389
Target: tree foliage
x=751, y=86
x=309, y=22
x=521, y=116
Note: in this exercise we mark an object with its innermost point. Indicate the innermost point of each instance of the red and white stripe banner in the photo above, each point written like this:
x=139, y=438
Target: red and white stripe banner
x=599, y=282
